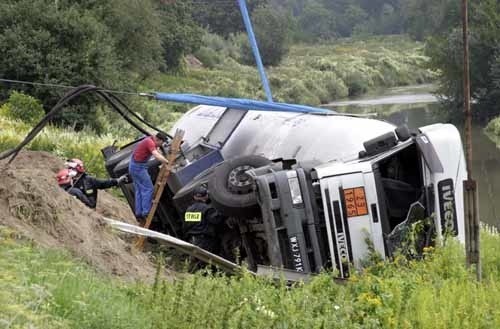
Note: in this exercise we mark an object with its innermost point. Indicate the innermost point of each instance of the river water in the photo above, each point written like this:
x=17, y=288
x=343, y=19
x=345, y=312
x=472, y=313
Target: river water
x=416, y=106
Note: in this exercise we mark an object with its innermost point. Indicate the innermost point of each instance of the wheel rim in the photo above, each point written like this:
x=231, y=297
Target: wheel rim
x=238, y=181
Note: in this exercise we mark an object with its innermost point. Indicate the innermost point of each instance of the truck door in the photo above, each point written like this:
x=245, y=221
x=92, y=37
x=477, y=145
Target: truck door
x=448, y=182
x=351, y=216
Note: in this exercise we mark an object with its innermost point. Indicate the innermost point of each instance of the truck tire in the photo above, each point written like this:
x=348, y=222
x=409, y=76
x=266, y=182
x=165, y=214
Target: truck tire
x=231, y=190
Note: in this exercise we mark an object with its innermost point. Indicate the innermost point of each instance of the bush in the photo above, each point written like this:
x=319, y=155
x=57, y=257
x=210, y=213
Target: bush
x=335, y=86
x=208, y=57
x=23, y=107
x=295, y=91
x=271, y=30
x=356, y=84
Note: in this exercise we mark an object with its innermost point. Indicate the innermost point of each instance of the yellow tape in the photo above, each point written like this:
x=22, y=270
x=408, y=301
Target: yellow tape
x=192, y=216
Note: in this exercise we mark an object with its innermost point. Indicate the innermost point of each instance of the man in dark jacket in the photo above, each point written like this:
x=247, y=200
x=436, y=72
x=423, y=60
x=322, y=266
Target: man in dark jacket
x=203, y=222
x=84, y=187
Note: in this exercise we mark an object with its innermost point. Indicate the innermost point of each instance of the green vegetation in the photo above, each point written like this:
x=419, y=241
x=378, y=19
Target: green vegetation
x=47, y=289
x=445, y=51
x=224, y=18
x=22, y=107
x=123, y=45
x=65, y=143
x=493, y=130
x=314, y=20
x=113, y=44
x=309, y=74
x=271, y=31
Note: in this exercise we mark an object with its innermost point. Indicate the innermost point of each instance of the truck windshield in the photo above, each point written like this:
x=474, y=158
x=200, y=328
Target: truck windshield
x=224, y=127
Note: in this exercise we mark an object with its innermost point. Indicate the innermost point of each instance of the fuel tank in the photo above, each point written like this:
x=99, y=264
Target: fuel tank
x=300, y=136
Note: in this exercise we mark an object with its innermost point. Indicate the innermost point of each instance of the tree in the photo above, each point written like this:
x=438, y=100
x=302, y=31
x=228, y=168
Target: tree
x=425, y=18
x=272, y=34
x=55, y=42
x=351, y=16
x=317, y=23
x=179, y=33
x=110, y=44
x=223, y=18
x=135, y=28
x=446, y=57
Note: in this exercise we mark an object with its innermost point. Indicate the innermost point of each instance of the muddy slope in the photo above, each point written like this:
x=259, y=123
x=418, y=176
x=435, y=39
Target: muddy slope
x=32, y=203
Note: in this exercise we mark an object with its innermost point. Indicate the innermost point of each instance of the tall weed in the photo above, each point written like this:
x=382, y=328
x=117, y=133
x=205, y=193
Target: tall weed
x=49, y=289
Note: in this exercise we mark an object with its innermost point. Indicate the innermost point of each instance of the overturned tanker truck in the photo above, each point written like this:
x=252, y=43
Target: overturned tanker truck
x=309, y=189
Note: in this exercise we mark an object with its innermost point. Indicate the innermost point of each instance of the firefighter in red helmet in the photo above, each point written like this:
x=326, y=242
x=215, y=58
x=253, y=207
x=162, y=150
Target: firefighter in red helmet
x=76, y=165
x=74, y=179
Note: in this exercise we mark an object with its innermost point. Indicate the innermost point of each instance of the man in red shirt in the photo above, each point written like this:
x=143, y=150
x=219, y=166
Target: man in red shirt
x=138, y=170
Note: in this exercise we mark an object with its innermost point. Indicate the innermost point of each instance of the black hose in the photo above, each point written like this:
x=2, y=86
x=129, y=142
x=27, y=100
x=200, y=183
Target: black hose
x=137, y=116
x=43, y=122
x=112, y=100
x=116, y=107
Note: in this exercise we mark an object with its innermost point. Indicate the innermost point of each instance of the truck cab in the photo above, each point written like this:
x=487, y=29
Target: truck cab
x=329, y=216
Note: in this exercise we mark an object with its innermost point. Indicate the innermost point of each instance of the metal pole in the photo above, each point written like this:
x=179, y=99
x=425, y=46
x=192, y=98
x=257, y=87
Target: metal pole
x=466, y=89
x=471, y=205
x=255, y=48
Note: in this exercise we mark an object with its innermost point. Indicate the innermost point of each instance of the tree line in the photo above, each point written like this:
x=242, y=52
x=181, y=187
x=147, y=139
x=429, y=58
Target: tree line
x=444, y=46
x=113, y=44
x=117, y=44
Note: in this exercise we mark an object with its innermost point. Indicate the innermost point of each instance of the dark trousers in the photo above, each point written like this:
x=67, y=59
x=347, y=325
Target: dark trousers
x=211, y=244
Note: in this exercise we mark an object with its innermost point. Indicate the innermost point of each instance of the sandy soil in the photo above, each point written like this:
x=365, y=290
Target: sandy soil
x=33, y=204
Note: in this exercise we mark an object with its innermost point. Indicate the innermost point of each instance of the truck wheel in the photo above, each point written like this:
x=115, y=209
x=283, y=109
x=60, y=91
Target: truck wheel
x=231, y=189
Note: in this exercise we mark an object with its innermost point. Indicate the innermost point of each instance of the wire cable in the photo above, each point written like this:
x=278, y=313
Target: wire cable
x=115, y=103
x=55, y=85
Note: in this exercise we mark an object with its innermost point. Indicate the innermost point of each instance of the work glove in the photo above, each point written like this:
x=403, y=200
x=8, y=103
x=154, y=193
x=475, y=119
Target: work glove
x=122, y=179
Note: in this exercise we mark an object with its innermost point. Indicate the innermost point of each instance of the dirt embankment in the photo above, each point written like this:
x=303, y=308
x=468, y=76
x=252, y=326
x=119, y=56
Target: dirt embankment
x=33, y=204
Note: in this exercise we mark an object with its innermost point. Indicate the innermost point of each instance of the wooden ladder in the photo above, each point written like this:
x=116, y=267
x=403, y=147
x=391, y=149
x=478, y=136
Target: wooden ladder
x=161, y=181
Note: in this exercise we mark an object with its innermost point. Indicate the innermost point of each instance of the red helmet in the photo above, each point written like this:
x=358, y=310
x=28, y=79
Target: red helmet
x=64, y=177
x=75, y=164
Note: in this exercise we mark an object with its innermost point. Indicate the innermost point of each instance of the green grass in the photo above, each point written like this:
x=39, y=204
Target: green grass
x=67, y=143
x=64, y=143
x=48, y=289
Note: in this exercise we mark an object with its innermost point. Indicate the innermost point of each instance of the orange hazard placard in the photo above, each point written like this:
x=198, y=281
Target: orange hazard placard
x=355, y=200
